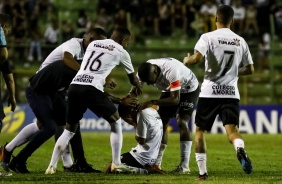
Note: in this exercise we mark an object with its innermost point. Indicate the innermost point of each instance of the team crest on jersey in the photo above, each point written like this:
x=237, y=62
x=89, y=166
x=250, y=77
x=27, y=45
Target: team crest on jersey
x=237, y=42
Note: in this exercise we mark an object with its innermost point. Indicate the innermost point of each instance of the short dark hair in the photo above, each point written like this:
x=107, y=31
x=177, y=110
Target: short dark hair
x=122, y=33
x=225, y=14
x=98, y=31
x=144, y=71
x=5, y=19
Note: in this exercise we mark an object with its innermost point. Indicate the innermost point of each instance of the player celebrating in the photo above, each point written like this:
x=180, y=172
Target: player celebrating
x=86, y=91
x=149, y=131
x=180, y=90
x=224, y=52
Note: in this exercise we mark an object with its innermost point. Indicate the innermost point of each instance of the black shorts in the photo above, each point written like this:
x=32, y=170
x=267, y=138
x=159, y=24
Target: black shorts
x=209, y=108
x=129, y=160
x=185, y=107
x=81, y=97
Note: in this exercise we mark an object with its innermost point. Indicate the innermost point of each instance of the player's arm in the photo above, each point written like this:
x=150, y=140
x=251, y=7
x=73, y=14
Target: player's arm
x=140, y=140
x=9, y=80
x=246, y=70
x=129, y=101
x=173, y=99
x=194, y=59
x=136, y=84
x=70, y=61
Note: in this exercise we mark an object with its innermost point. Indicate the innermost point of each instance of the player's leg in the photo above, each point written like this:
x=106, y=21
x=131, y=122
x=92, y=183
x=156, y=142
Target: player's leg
x=185, y=109
x=42, y=108
x=76, y=108
x=230, y=118
x=207, y=110
x=24, y=135
x=100, y=104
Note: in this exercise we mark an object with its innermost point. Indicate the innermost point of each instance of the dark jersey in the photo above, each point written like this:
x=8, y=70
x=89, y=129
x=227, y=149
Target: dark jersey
x=54, y=77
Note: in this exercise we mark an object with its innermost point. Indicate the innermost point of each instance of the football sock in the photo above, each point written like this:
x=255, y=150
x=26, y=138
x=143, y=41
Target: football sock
x=77, y=147
x=201, y=159
x=116, y=141
x=185, y=151
x=238, y=143
x=60, y=146
x=160, y=155
x=22, y=137
x=66, y=157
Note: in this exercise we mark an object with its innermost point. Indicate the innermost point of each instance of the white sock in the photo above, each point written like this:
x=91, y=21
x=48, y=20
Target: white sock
x=22, y=136
x=116, y=141
x=66, y=157
x=60, y=146
x=185, y=151
x=160, y=155
x=238, y=143
x=201, y=159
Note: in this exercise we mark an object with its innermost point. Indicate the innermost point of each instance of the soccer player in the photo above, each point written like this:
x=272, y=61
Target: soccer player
x=224, y=52
x=149, y=131
x=48, y=106
x=86, y=91
x=5, y=27
x=180, y=90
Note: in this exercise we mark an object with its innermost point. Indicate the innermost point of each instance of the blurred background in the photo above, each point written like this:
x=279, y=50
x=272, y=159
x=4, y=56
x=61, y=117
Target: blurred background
x=160, y=28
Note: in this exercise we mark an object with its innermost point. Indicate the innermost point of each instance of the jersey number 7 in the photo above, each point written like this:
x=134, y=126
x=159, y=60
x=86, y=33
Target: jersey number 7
x=228, y=59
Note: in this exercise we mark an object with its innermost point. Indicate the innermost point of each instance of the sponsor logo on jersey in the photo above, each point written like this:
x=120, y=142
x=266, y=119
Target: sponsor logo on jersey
x=223, y=90
x=83, y=78
x=225, y=41
x=109, y=47
x=175, y=84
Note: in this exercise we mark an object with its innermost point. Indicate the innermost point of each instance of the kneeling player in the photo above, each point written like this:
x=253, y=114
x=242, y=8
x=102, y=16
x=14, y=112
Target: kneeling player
x=149, y=131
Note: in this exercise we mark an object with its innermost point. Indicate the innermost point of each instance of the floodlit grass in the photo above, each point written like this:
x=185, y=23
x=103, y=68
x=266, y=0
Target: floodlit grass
x=223, y=166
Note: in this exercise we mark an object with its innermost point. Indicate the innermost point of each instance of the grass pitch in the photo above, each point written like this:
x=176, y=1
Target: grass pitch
x=223, y=167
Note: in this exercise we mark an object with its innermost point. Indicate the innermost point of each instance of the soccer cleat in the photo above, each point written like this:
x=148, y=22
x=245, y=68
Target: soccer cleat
x=5, y=157
x=203, y=177
x=181, y=170
x=154, y=169
x=50, y=170
x=122, y=168
x=18, y=166
x=244, y=160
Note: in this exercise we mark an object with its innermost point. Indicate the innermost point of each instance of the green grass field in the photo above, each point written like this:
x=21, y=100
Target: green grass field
x=264, y=150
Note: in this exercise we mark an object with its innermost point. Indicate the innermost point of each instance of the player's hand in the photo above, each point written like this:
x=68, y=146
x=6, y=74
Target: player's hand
x=129, y=101
x=12, y=103
x=138, y=90
x=186, y=59
x=110, y=84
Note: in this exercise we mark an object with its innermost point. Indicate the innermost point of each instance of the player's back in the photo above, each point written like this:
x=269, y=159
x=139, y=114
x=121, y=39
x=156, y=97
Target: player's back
x=224, y=55
x=100, y=58
x=73, y=46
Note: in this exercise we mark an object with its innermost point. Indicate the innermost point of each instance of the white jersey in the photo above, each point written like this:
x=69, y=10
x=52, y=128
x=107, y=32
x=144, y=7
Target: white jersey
x=174, y=76
x=149, y=127
x=100, y=58
x=224, y=51
x=74, y=46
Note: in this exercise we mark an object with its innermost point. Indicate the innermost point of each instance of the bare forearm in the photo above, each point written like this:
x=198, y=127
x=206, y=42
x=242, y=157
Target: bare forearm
x=9, y=80
x=165, y=101
x=246, y=70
